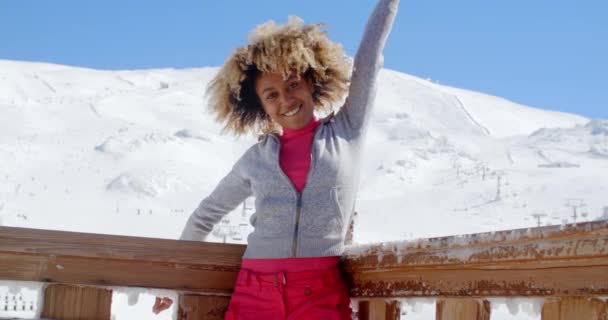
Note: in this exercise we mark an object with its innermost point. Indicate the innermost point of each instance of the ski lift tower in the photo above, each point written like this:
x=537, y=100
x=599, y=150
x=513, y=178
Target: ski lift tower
x=538, y=216
x=575, y=203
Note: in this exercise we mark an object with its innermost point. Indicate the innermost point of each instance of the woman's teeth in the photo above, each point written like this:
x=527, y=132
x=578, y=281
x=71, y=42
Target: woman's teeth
x=293, y=111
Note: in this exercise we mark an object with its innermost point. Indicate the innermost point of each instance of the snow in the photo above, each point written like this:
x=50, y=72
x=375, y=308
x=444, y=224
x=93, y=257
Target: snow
x=418, y=308
x=138, y=147
x=136, y=303
x=20, y=299
x=134, y=152
x=516, y=308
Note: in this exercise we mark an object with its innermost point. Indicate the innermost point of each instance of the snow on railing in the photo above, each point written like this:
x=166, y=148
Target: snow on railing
x=561, y=272
x=567, y=266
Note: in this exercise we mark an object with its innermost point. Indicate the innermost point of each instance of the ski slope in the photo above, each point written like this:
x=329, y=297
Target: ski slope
x=134, y=152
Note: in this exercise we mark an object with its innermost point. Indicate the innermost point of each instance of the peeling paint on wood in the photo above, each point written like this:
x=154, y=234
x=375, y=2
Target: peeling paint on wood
x=548, y=261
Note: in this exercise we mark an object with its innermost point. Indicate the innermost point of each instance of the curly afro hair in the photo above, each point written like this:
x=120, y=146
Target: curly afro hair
x=290, y=48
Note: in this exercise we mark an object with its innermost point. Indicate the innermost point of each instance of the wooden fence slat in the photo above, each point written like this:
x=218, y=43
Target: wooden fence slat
x=371, y=310
x=195, y=307
x=69, y=302
x=377, y=309
x=104, y=246
x=462, y=309
x=393, y=310
x=550, y=310
x=104, y=272
x=575, y=308
x=363, y=310
x=97, y=259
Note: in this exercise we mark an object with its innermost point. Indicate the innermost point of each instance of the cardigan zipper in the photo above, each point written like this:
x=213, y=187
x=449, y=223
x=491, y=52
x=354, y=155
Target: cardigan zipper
x=294, y=243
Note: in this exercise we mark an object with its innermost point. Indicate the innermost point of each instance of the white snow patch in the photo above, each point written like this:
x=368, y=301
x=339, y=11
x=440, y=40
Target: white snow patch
x=519, y=308
x=144, y=184
x=192, y=134
x=136, y=303
x=21, y=299
x=418, y=308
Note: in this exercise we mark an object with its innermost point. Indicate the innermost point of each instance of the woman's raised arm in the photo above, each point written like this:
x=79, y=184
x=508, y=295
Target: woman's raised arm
x=367, y=64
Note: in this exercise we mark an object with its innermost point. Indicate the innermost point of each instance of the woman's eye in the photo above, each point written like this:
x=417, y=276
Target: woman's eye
x=271, y=96
x=294, y=85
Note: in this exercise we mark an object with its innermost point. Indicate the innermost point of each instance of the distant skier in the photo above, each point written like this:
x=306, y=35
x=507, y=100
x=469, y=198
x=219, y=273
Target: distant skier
x=303, y=172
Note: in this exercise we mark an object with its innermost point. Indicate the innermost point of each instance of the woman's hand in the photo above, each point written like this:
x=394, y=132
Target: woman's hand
x=161, y=304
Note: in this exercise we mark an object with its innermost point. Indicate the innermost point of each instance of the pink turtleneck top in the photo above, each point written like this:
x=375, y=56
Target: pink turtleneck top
x=295, y=154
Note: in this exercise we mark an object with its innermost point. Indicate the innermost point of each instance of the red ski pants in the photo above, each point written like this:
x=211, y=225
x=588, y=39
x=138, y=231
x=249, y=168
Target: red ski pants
x=290, y=295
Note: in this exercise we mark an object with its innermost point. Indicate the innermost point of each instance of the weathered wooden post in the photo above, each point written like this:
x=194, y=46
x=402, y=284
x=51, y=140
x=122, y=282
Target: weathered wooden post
x=195, y=307
x=378, y=309
x=575, y=308
x=70, y=302
x=463, y=309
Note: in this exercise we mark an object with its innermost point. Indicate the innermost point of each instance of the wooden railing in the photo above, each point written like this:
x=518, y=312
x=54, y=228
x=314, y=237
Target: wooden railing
x=565, y=265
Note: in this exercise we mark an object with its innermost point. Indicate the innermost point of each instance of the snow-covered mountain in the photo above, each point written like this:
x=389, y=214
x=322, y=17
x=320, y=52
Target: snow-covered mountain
x=134, y=152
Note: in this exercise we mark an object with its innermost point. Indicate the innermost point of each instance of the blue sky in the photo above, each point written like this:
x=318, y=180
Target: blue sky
x=544, y=53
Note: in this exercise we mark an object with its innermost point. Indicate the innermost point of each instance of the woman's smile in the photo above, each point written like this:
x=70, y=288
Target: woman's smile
x=292, y=112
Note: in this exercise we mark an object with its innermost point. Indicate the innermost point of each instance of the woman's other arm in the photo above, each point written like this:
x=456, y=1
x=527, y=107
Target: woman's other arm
x=232, y=190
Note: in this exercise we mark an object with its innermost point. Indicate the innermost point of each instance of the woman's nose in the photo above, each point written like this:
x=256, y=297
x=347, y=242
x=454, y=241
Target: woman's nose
x=287, y=99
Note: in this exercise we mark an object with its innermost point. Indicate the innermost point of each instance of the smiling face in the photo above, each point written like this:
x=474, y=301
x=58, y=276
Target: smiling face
x=288, y=102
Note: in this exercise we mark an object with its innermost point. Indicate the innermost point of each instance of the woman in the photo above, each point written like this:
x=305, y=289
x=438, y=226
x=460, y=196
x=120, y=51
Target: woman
x=303, y=172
